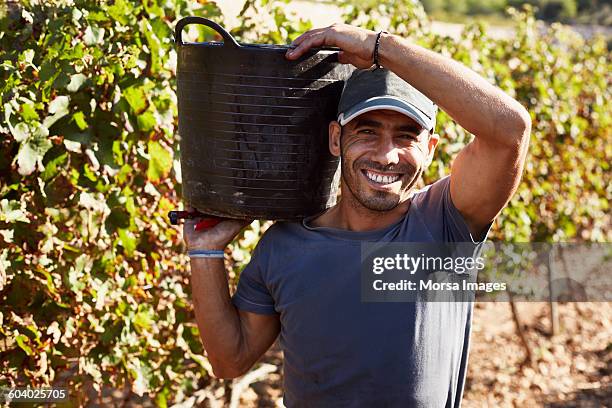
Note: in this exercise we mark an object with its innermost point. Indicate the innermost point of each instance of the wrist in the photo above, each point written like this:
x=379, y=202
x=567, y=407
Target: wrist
x=382, y=49
x=207, y=246
x=206, y=253
x=375, y=59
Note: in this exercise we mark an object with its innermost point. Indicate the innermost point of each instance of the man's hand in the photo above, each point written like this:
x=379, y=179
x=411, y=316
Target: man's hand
x=357, y=44
x=216, y=237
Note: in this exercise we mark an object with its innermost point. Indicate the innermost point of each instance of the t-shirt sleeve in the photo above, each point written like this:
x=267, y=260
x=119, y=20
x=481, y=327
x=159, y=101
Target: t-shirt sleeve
x=442, y=217
x=252, y=294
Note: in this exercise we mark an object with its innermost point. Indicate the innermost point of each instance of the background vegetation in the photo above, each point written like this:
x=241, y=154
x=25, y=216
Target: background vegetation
x=94, y=288
x=579, y=11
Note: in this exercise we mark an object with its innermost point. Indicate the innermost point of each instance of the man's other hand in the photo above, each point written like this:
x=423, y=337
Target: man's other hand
x=216, y=237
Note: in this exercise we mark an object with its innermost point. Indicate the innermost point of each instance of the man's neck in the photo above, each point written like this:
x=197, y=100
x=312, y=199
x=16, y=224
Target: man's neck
x=351, y=215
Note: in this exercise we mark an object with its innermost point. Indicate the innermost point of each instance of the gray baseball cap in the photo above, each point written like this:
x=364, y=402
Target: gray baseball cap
x=368, y=90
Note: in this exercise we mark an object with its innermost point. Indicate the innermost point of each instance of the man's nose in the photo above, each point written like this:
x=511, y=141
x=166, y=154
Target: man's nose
x=386, y=153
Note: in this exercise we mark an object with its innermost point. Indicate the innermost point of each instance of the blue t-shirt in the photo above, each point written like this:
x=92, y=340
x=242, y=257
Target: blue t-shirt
x=340, y=351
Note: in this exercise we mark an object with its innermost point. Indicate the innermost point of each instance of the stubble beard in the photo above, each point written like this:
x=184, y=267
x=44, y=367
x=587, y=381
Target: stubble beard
x=375, y=200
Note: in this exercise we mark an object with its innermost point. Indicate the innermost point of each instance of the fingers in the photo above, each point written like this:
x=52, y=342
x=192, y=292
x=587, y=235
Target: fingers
x=225, y=225
x=353, y=41
x=235, y=224
x=307, y=34
x=308, y=40
x=219, y=235
x=226, y=231
x=189, y=225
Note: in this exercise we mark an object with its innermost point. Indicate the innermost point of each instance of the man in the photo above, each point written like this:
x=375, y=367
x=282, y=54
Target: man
x=304, y=278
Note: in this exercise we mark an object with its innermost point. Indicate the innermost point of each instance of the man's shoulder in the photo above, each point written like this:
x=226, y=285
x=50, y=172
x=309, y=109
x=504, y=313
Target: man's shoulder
x=433, y=192
x=434, y=205
x=278, y=232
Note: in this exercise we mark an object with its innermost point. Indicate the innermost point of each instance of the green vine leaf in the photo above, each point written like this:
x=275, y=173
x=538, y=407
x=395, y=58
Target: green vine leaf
x=32, y=151
x=93, y=35
x=76, y=81
x=160, y=162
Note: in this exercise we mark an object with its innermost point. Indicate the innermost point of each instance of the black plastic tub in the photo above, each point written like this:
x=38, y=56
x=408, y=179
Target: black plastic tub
x=254, y=127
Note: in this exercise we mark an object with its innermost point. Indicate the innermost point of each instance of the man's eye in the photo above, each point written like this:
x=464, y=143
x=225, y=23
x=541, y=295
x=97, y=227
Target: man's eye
x=409, y=136
x=366, y=131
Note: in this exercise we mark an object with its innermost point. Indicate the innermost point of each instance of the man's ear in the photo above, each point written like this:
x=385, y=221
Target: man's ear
x=335, y=130
x=434, y=138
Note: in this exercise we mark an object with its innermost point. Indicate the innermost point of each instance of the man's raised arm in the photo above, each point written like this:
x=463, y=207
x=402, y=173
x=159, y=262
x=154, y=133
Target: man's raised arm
x=487, y=171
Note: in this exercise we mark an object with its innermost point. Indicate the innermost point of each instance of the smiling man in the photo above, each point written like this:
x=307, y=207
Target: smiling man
x=303, y=281
x=389, y=140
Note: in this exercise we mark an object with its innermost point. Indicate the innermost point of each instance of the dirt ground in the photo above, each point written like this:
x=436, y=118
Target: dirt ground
x=571, y=369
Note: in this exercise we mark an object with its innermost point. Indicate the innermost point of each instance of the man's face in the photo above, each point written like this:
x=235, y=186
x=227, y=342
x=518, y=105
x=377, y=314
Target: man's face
x=383, y=154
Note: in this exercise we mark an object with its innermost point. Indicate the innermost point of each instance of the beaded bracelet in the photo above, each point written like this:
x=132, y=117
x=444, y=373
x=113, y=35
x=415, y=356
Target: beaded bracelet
x=206, y=253
x=376, y=49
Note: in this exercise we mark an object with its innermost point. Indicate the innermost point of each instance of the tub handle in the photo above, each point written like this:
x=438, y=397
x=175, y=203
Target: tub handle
x=228, y=40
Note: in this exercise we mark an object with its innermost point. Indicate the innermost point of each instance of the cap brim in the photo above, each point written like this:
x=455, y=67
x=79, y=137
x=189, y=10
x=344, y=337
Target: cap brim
x=390, y=103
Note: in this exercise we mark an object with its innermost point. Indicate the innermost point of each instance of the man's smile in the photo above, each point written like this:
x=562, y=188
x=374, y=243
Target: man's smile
x=378, y=179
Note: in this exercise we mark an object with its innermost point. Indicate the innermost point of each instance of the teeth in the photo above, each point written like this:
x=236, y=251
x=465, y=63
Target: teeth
x=382, y=179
